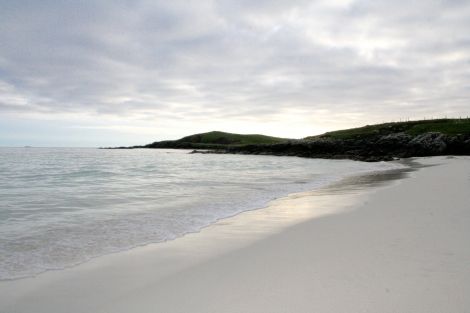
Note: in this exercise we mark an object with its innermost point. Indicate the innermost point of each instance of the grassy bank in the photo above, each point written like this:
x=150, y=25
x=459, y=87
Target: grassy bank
x=413, y=128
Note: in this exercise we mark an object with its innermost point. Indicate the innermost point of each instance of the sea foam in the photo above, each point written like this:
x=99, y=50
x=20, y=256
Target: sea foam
x=62, y=207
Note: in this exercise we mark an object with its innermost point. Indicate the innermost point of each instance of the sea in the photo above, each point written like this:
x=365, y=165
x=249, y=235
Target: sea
x=60, y=207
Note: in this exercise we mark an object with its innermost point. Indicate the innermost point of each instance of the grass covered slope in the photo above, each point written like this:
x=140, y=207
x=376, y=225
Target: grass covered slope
x=369, y=143
x=413, y=128
x=218, y=137
x=216, y=140
x=377, y=142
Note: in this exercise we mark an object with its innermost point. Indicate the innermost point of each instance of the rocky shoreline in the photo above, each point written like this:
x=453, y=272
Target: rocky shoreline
x=370, y=149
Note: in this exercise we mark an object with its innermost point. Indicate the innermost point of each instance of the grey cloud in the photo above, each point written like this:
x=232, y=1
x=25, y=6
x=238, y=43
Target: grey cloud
x=236, y=58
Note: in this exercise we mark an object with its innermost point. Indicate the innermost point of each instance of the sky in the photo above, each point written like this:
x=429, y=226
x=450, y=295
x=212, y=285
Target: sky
x=105, y=73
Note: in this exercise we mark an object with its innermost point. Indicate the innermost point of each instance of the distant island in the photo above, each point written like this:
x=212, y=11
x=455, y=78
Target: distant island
x=380, y=142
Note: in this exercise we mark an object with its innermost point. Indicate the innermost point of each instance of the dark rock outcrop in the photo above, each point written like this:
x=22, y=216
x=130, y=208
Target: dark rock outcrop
x=428, y=144
x=371, y=149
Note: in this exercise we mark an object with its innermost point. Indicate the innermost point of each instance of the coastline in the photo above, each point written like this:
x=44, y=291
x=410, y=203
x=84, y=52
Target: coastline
x=248, y=264
x=82, y=237
x=370, y=143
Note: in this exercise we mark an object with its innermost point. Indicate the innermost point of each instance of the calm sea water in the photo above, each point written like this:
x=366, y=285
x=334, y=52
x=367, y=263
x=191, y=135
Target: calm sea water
x=60, y=207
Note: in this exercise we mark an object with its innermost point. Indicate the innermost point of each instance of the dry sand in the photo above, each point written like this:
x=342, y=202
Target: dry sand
x=402, y=247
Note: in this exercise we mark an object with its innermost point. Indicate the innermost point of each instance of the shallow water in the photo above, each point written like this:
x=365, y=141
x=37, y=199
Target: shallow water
x=62, y=206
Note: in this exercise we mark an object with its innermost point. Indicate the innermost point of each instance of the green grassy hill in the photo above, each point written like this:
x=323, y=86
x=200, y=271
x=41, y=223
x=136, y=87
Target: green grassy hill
x=413, y=128
x=217, y=137
x=215, y=140
x=381, y=142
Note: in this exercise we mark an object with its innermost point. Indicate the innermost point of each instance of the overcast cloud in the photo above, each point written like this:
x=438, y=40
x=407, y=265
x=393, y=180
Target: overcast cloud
x=136, y=71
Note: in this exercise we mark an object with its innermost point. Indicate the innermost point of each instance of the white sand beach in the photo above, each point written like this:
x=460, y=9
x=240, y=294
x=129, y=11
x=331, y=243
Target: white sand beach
x=399, y=247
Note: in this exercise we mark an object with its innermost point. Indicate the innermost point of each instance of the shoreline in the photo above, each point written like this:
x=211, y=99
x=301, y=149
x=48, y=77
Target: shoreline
x=370, y=143
x=204, y=270
x=263, y=203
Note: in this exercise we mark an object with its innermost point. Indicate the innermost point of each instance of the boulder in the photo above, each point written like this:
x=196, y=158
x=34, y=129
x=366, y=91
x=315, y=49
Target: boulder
x=396, y=139
x=432, y=143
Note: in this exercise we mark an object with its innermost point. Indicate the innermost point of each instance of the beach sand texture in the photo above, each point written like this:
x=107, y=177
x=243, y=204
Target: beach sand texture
x=401, y=248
